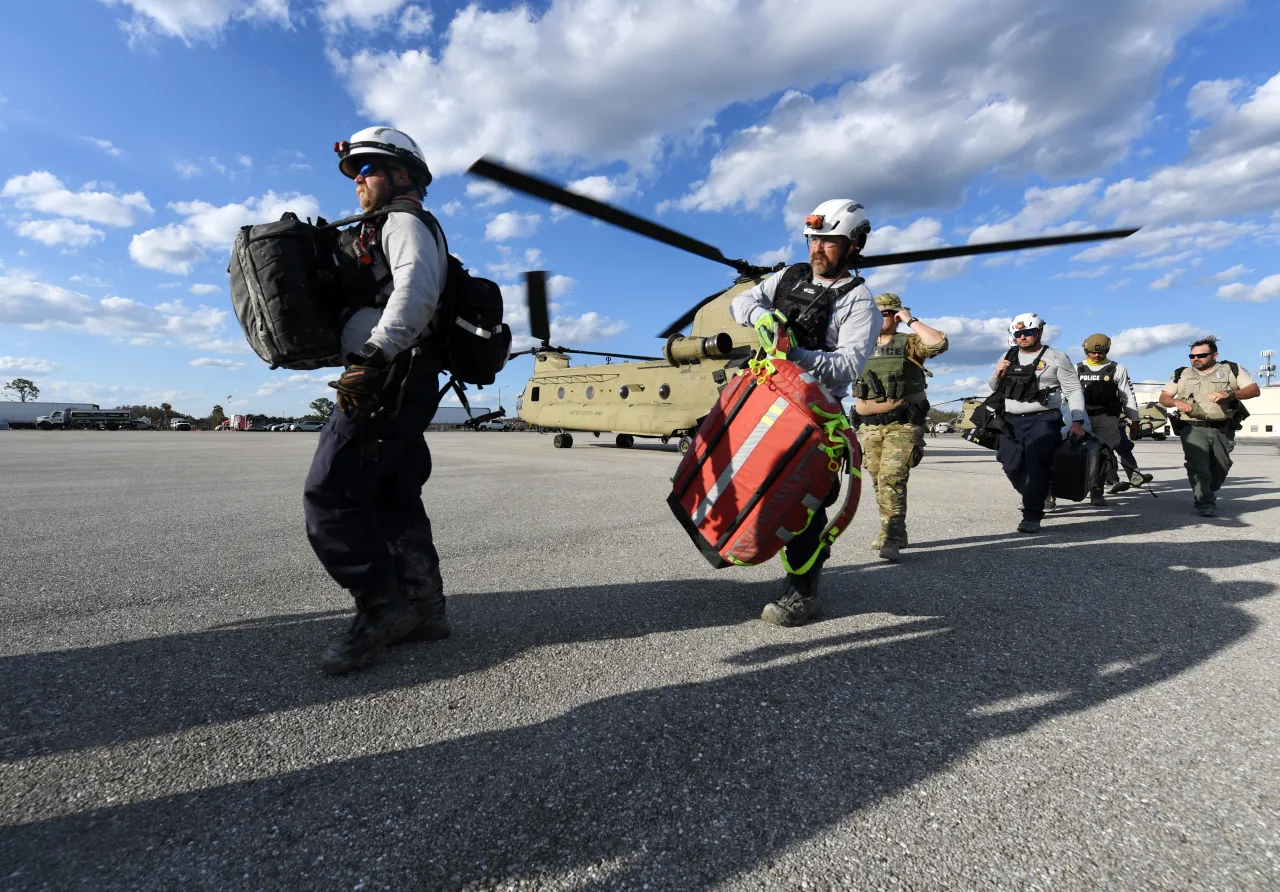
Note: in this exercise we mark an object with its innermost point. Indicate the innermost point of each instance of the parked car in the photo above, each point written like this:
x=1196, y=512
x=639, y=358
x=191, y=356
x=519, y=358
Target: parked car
x=308, y=425
x=491, y=426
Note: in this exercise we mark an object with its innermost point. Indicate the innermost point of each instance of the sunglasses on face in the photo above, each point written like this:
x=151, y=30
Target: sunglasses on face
x=371, y=170
x=1030, y=332
x=1199, y=355
x=887, y=313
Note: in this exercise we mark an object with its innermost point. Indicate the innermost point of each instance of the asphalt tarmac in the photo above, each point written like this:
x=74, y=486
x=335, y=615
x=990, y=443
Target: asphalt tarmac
x=1094, y=707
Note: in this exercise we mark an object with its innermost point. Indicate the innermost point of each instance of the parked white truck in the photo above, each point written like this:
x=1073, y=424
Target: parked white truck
x=20, y=415
x=93, y=419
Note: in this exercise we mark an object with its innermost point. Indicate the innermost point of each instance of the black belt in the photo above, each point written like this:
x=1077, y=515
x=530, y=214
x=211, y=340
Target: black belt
x=1199, y=423
x=898, y=414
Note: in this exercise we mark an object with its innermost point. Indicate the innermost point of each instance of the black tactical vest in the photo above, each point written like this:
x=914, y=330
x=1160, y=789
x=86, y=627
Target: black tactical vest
x=363, y=284
x=1101, y=393
x=807, y=306
x=1020, y=383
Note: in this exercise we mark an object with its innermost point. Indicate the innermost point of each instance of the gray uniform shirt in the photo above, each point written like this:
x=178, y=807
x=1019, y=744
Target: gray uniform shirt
x=1124, y=387
x=419, y=266
x=850, y=338
x=1055, y=370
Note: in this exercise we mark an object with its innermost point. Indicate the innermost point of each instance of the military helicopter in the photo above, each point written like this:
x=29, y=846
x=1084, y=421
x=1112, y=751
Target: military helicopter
x=666, y=397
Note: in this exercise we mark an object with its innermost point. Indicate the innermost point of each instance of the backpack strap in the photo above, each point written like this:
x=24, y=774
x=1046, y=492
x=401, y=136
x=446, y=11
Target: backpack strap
x=458, y=387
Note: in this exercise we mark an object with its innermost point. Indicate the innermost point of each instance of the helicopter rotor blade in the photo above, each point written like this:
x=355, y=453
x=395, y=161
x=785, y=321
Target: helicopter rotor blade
x=548, y=191
x=535, y=286
x=618, y=355
x=1047, y=241
x=684, y=320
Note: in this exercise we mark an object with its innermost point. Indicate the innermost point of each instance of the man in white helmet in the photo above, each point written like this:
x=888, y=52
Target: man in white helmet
x=363, y=494
x=834, y=322
x=1035, y=380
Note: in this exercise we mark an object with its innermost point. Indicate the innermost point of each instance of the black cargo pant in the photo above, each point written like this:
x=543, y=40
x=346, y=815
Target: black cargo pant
x=1027, y=457
x=363, y=495
x=1110, y=431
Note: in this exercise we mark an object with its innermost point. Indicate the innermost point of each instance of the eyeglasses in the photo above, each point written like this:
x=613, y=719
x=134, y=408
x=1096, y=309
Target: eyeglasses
x=1199, y=355
x=1026, y=333
x=887, y=313
x=371, y=170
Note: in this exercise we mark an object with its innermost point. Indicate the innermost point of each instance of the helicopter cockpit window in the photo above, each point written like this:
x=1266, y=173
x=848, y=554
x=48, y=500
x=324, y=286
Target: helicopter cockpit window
x=591, y=393
x=560, y=393
x=664, y=391
x=533, y=394
x=624, y=391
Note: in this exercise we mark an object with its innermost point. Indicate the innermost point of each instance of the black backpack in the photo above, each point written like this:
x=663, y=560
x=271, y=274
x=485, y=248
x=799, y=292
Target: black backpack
x=287, y=291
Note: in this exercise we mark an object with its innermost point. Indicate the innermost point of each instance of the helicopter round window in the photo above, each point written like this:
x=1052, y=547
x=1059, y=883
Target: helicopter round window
x=624, y=391
x=591, y=393
x=664, y=391
x=560, y=393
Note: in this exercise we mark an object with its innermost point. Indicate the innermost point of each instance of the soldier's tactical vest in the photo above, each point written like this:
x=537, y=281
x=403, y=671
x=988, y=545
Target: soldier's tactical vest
x=1020, y=382
x=889, y=375
x=1101, y=393
x=807, y=306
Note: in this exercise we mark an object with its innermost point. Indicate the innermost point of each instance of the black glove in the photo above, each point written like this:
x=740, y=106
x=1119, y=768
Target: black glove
x=359, y=388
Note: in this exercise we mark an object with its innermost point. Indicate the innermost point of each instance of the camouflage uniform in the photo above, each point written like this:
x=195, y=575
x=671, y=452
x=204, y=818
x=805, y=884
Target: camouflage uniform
x=891, y=449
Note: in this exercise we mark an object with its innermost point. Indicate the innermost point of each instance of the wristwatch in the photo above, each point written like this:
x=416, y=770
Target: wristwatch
x=913, y=320
x=370, y=355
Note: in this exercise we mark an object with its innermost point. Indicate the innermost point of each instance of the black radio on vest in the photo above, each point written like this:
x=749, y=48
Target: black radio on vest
x=1020, y=383
x=1101, y=393
x=808, y=306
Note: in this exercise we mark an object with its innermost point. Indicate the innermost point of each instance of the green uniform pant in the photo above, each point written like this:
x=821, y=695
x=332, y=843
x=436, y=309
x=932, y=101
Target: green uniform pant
x=1208, y=454
x=889, y=452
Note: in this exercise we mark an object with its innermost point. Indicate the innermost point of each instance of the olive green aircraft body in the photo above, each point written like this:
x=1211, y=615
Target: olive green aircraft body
x=665, y=398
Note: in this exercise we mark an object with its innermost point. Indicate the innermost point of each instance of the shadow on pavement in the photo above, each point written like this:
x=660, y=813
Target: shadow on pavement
x=680, y=786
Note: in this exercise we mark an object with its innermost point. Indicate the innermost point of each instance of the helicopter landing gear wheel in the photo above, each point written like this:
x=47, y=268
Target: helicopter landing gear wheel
x=685, y=445
x=562, y=441
x=625, y=441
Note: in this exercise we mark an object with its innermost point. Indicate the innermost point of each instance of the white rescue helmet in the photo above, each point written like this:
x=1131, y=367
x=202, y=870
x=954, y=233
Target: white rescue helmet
x=386, y=142
x=1025, y=322
x=839, y=216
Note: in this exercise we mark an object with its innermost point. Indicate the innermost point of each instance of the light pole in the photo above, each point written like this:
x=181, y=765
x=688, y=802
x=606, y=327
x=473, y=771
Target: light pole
x=499, y=399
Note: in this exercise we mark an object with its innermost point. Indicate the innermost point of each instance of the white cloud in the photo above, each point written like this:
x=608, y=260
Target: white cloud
x=1096, y=272
x=1211, y=235
x=60, y=232
x=177, y=247
x=1164, y=282
x=1230, y=275
x=104, y=144
x=509, y=225
x=487, y=193
x=205, y=289
x=1141, y=341
x=27, y=364
x=601, y=188
x=40, y=306
x=1265, y=290
x=944, y=91
x=977, y=341
x=778, y=255
x=42, y=191
x=363, y=15
x=210, y=362
x=1234, y=128
x=190, y=20
x=244, y=161
x=513, y=264
x=450, y=208
x=920, y=234
x=187, y=169
x=415, y=21
x=1116, y=286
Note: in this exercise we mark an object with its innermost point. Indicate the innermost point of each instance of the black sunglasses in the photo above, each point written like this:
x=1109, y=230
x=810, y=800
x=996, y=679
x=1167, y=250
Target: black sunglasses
x=1026, y=334
x=1199, y=355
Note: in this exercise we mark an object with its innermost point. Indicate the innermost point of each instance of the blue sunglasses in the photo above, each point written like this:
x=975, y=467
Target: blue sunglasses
x=370, y=170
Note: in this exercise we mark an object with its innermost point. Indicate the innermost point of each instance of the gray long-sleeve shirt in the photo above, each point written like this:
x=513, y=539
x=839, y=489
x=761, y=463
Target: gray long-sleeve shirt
x=1054, y=370
x=850, y=337
x=419, y=266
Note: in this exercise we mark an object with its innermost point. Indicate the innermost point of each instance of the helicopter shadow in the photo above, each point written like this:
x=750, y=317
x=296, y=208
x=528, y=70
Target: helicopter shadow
x=694, y=784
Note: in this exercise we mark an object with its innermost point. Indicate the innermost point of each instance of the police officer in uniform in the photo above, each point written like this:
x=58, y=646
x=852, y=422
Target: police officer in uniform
x=890, y=412
x=363, y=495
x=1108, y=394
x=1035, y=380
x=1208, y=397
x=834, y=323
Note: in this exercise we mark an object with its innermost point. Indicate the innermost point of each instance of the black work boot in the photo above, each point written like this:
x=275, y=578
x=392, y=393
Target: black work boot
x=427, y=598
x=798, y=604
x=383, y=617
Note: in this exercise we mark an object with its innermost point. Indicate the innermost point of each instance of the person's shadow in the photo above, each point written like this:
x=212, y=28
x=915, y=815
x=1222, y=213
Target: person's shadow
x=682, y=785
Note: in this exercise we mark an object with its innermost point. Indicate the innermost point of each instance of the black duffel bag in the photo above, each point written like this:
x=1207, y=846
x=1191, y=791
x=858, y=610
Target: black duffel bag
x=988, y=423
x=1075, y=468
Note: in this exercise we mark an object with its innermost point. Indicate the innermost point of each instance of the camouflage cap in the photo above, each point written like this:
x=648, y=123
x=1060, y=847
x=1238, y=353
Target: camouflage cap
x=1096, y=343
x=888, y=301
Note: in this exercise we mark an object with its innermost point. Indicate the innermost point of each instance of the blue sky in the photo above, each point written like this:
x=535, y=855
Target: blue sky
x=140, y=140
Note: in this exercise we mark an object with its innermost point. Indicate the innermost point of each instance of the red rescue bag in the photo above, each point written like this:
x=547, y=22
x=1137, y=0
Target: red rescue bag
x=763, y=461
